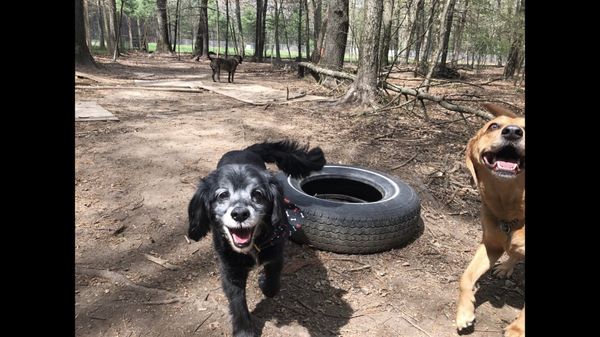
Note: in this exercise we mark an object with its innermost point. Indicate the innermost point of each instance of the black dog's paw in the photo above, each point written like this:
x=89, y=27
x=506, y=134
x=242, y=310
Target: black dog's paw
x=270, y=287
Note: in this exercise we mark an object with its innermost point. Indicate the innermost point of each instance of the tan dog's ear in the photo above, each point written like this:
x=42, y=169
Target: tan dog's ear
x=469, y=161
x=497, y=110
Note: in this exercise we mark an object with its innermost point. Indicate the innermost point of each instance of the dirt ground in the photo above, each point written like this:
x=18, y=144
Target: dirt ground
x=135, y=177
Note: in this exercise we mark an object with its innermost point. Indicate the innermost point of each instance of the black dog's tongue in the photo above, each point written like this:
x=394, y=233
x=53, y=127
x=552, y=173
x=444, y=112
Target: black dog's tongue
x=241, y=236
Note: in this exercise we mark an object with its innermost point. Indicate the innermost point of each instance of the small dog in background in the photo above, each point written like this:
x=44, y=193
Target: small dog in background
x=242, y=203
x=228, y=64
x=495, y=157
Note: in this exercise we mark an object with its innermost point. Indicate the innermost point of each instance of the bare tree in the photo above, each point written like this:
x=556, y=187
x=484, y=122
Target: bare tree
x=240, y=31
x=364, y=88
x=201, y=46
x=515, y=54
x=458, y=34
x=336, y=35
x=425, y=59
x=259, y=38
x=300, y=5
x=277, y=51
x=163, y=45
x=447, y=8
x=386, y=36
x=316, y=6
x=101, y=24
x=82, y=52
x=318, y=52
x=109, y=24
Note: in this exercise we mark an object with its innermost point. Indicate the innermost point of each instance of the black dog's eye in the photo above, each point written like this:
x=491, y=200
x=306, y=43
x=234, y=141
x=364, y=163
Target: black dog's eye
x=223, y=195
x=493, y=126
x=257, y=195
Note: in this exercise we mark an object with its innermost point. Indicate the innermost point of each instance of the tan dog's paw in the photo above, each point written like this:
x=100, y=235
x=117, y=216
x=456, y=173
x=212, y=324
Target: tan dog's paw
x=465, y=316
x=504, y=270
x=514, y=330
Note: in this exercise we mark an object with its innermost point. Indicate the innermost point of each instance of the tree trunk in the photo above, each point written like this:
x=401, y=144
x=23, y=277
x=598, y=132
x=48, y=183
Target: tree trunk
x=287, y=40
x=410, y=32
x=108, y=26
x=516, y=48
x=258, y=36
x=227, y=28
x=118, y=25
x=318, y=52
x=176, y=26
x=429, y=44
x=130, y=31
x=445, y=42
x=238, y=14
x=143, y=41
x=307, y=29
x=277, y=52
x=201, y=47
x=336, y=35
x=386, y=37
x=458, y=35
x=300, y=5
x=364, y=89
x=316, y=7
x=264, y=25
x=441, y=37
x=419, y=31
x=86, y=17
x=162, y=45
x=101, y=25
x=82, y=52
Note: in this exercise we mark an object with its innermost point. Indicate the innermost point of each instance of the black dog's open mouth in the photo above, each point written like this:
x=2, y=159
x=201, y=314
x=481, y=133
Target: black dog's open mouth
x=242, y=237
x=505, y=162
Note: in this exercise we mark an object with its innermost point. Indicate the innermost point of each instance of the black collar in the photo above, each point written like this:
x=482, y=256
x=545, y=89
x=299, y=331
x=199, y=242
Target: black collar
x=285, y=228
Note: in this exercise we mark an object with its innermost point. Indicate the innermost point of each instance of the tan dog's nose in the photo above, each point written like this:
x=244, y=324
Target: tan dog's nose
x=512, y=132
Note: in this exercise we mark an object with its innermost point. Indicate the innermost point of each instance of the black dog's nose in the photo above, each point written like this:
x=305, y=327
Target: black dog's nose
x=240, y=214
x=512, y=132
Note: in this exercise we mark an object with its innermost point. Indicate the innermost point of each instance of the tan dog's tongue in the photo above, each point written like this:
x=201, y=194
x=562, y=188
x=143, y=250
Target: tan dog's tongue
x=506, y=165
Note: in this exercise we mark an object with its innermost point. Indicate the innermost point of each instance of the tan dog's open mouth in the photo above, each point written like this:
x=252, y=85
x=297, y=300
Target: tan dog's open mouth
x=505, y=162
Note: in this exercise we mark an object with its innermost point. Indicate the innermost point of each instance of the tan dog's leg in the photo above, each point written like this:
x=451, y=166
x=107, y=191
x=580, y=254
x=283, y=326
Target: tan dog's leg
x=516, y=328
x=506, y=268
x=484, y=258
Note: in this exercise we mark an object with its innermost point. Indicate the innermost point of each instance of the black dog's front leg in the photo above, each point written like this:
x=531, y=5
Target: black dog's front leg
x=270, y=281
x=234, y=286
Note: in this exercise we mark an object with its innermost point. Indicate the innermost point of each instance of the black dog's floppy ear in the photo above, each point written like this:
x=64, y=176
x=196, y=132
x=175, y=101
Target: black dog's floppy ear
x=198, y=213
x=278, y=212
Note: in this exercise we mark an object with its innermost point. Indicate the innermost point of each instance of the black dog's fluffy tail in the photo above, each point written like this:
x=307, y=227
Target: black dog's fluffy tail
x=293, y=159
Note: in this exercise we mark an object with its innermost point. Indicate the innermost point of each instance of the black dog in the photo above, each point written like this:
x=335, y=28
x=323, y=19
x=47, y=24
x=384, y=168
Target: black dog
x=228, y=64
x=242, y=203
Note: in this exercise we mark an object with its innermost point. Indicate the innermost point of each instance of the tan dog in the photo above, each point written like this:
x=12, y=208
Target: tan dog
x=495, y=157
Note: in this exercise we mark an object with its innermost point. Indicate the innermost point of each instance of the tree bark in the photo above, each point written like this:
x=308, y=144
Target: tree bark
x=336, y=35
x=442, y=35
x=163, y=45
x=318, y=51
x=176, y=26
x=82, y=52
x=101, y=24
x=364, y=88
x=445, y=42
x=109, y=34
x=238, y=14
x=429, y=44
x=300, y=5
x=386, y=36
x=227, y=28
x=307, y=29
x=277, y=51
x=201, y=47
x=458, y=35
x=419, y=31
x=86, y=17
x=516, y=49
x=118, y=25
x=130, y=32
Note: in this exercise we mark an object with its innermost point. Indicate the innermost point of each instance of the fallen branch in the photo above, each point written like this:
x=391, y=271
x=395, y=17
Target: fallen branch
x=138, y=88
x=161, y=262
x=121, y=279
x=418, y=94
x=405, y=162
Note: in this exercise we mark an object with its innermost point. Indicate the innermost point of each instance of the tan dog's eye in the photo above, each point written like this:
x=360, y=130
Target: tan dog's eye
x=493, y=126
